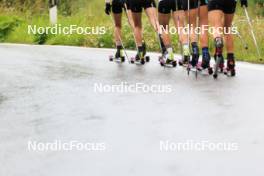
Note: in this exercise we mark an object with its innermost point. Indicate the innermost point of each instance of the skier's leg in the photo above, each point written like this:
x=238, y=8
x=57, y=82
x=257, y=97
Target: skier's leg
x=117, y=16
x=216, y=15
x=192, y=15
x=118, y=34
x=229, y=44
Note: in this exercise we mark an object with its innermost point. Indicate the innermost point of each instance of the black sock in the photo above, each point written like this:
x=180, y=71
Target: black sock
x=118, y=47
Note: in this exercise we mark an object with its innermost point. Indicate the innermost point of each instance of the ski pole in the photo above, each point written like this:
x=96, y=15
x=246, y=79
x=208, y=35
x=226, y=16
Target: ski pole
x=252, y=32
x=120, y=39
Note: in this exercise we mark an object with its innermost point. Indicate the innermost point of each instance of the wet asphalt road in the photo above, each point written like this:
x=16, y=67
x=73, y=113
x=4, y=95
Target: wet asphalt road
x=47, y=93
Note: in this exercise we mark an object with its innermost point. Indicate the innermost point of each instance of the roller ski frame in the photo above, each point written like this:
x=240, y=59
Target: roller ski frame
x=142, y=61
x=117, y=60
x=164, y=64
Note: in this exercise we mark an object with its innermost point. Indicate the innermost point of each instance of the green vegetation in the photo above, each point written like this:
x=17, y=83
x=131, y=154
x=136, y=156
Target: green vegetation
x=16, y=15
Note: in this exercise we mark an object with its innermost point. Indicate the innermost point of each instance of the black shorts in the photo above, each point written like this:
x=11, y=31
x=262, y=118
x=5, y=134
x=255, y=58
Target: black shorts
x=136, y=6
x=194, y=4
x=166, y=6
x=227, y=6
x=117, y=6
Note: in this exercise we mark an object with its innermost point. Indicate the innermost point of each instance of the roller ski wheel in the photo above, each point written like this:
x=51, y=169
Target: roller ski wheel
x=147, y=58
x=111, y=58
x=230, y=73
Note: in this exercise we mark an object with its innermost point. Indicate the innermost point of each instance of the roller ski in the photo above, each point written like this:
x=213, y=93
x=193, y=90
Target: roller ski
x=167, y=60
x=119, y=56
x=230, y=68
x=140, y=58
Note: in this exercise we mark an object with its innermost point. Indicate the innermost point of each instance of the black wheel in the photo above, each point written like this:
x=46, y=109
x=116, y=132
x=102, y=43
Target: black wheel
x=215, y=76
x=142, y=62
x=210, y=71
x=111, y=59
x=180, y=63
x=174, y=64
x=161, y=64
x=147, y=58
x=233, y=73
x=123, y=59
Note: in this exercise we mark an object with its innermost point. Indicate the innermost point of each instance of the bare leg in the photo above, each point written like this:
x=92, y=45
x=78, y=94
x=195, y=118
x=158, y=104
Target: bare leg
x=164, y=20
x=229, y=37
x=204, y=22
x=138, y=28
x=118, y=26
x=216, y=22
x=179, y=21
x=152, y=16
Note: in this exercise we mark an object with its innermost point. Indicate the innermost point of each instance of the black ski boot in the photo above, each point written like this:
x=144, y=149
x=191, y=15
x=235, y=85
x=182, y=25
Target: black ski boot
x=195, y=54
x=230, y=68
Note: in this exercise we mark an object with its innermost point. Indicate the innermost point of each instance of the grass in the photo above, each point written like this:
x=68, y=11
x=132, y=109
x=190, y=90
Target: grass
x=14, y=25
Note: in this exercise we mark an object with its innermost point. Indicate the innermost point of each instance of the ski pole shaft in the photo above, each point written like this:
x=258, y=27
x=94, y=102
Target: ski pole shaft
x=241, y=38
x=252, y=32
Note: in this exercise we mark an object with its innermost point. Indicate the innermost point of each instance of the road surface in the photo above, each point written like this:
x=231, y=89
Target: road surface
x=48, y=94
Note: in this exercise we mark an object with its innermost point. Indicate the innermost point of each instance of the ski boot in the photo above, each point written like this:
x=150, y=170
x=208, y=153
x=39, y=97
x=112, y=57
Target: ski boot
x=144, y=47
x=195, y=55
x=205, y=65
x=219, y=59
x=230, y=68
x=139, y=58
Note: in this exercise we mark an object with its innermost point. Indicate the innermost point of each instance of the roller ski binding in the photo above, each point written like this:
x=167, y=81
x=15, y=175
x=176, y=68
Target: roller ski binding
x=119, y=56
